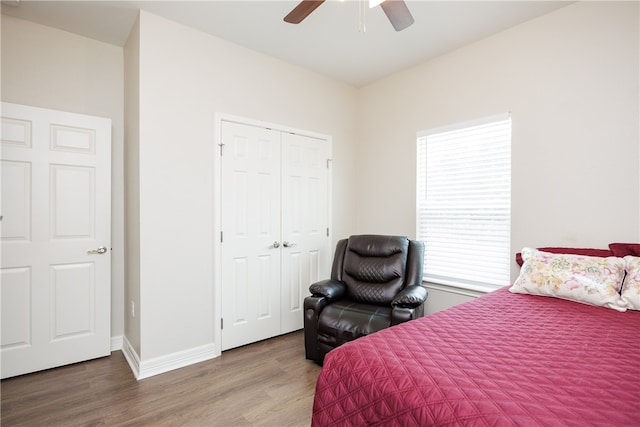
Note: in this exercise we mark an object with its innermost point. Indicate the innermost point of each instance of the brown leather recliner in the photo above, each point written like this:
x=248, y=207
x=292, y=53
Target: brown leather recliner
x=376, y=282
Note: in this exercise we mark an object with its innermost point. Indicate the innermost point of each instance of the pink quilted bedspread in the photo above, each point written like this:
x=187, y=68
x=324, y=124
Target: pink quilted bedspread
x=501, y=360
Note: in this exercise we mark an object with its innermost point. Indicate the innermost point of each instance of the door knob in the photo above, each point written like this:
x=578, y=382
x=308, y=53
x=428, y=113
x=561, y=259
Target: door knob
x=288, y=244
x=276, y=244
x=99, y=251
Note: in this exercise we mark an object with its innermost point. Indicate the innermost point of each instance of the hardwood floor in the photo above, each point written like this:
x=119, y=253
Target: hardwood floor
x=269, y=383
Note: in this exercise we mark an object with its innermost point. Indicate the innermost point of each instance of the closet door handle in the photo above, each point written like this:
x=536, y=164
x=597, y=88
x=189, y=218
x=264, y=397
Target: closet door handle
x=276, y=244
x=288, y=244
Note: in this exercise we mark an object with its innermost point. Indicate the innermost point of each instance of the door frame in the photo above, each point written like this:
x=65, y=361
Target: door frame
x=217, y=205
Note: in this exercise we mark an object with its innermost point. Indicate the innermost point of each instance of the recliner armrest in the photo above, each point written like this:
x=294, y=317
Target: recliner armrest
x=329, y=288
x=410, y=297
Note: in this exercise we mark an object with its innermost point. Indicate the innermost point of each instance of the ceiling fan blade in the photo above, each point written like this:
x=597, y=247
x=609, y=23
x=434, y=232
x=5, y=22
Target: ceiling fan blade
x=398, y=13
x=302, y=10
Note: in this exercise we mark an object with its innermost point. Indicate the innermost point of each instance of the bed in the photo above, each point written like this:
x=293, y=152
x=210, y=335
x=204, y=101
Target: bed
x=508, y=358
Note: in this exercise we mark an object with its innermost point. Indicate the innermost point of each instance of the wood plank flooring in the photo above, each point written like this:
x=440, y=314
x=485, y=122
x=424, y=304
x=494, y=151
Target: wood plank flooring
x=269, y=383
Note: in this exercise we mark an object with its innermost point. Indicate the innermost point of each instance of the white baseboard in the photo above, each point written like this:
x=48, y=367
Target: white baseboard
x=131, y=356
x=158, y=365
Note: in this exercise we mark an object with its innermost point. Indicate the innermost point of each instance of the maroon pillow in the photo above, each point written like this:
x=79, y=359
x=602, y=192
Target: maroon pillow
x=623, y=249
x=603, y=253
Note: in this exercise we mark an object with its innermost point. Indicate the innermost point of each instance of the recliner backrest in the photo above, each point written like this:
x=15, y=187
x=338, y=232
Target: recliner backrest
x=374, y=267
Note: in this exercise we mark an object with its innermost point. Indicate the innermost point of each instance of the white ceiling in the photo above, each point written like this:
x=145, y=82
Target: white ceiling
x=330, y=41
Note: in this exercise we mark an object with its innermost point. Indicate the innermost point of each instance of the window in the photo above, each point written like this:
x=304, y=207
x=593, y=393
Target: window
x=464, y=203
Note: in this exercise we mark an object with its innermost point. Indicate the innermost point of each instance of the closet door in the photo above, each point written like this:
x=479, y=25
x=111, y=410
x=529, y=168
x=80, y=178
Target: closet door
x=274, y=220
x=250, y=225
x=305, y=243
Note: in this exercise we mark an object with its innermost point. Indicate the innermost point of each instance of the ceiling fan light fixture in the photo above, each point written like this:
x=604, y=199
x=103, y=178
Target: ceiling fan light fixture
x=396, y=10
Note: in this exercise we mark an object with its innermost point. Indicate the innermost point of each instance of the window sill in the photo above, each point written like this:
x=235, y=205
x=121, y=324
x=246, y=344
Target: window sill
x=473, y=290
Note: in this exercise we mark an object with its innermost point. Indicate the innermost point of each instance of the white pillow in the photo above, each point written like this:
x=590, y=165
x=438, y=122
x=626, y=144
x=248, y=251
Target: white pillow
x=590, y=280
x=631, y=285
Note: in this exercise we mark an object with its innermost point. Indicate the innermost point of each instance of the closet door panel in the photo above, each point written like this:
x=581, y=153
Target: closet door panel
x=251, y=224
x=305, y=257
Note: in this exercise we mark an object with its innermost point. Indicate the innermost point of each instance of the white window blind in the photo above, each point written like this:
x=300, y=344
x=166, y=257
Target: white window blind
x=464, y=202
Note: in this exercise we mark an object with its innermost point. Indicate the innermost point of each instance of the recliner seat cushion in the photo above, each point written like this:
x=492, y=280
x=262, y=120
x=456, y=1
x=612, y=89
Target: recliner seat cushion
x=345, y=321
x=374, y=267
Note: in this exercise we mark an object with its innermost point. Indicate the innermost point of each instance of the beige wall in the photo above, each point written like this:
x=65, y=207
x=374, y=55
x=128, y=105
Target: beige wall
x=49, y=68
x=570, y=81
x=132, y=188
x=169, y=186
x=185, y=78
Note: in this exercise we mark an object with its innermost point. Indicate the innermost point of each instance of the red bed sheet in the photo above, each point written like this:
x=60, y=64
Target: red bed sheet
x=500, y=360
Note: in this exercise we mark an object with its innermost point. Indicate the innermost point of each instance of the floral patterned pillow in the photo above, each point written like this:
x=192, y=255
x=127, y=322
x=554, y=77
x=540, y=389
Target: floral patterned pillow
x=631, y=285
x=585, y=279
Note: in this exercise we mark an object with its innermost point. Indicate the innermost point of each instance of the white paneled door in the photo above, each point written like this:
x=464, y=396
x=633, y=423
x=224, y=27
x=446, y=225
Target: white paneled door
x=305, y=222
x=274, y=222
x=55, y=232
x=251, y=230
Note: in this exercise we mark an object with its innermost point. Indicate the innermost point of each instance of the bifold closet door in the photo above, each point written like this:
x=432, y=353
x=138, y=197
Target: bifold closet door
x=306, y=251
x=250, y=226
x=274, y=222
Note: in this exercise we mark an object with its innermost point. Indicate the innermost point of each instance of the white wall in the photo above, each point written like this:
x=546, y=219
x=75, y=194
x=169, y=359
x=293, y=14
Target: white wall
x=185, y=77
x=570, y=80
x=49, y=68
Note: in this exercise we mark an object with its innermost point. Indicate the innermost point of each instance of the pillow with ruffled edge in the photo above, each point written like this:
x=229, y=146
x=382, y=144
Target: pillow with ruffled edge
x=589, y=280
x=631, y=286
x=572, y=251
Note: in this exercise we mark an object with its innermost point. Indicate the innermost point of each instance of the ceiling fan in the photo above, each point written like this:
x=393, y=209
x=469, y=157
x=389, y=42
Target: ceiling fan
x=396, y=10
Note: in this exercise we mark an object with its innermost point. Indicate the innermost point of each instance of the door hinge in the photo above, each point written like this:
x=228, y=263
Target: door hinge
x=329, y=163
x=221, y=236
x=327, y=231
x=221, y=323
x=221, y=148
